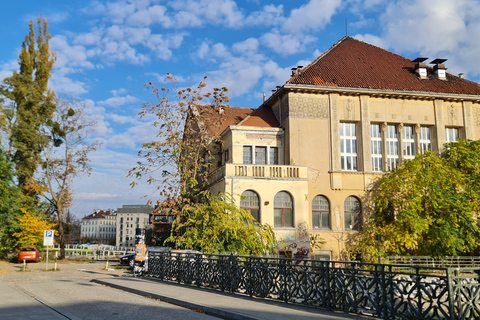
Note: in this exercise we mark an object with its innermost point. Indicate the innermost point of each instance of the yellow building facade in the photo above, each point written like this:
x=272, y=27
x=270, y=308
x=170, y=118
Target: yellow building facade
x=305, y=160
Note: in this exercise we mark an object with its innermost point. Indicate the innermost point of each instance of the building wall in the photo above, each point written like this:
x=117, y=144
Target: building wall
x=130, y=217
x=310, y=141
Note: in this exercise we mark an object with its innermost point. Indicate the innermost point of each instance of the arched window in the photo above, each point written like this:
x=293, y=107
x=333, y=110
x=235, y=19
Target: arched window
x=283, y=210
x=353, y=210
x=320, y=213
x=251, y=202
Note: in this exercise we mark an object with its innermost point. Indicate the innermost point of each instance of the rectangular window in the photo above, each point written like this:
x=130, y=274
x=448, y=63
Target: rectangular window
x=247, y=155
x=392, y=147
x=451, y=134
x=226, y=156
x=425, y=140
x=377, y=158
x=408, y=137
x=273, y=155
x=260, y=155
x=348, y=146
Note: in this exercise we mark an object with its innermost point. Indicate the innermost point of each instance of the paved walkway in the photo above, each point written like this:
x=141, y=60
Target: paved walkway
x=222, y=305
x=16, y=304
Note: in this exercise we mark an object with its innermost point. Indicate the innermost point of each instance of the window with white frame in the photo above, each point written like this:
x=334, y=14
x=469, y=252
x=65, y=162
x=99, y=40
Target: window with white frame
x=250, y=202
x=320, y=213
x=392, y=147
x=425, y=139
x=283, y=210
x=377, y=155
x=260, y=155
x=273, y=155
x=348, y=146
x=408, y=141
x=247, y=155
x=451, y=134
x=352, y=210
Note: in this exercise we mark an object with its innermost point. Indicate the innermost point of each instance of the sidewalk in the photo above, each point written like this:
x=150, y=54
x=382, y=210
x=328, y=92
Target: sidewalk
x=218, y=304
x=15, y=304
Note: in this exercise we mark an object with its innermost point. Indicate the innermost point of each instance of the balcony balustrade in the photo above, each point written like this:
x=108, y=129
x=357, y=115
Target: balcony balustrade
x=260, y=171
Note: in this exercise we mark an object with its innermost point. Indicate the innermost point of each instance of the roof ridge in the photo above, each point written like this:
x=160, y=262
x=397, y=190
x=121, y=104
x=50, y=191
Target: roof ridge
x=335, y=45
x=247, y=117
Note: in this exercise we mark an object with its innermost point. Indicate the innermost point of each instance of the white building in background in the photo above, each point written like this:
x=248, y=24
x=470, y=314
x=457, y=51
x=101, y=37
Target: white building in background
x=130, y=217
x=100, y=226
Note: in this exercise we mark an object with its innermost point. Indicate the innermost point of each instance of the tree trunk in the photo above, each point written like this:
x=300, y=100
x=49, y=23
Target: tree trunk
x=61, y=233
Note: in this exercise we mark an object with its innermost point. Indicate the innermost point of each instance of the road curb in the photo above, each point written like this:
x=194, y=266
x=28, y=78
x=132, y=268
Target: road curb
x=216, y=312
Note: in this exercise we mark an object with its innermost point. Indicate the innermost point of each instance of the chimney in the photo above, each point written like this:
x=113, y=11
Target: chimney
x=299, y=68
x=294, y=72
x=421, y=67
x=221, y=109
x=460, y=75
x=439, y=68
x=278, y=88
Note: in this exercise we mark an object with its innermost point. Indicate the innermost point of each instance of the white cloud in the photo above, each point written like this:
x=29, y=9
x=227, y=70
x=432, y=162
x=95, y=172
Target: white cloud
x=195, y=13
x=6, y=69
x=286, y=44
x=57, y=17
x=248, y=46
x=64, y=85
x=89, y=38
x=118, y=101
x=162, y=45
x=149, y=16
x=448, y=29
x=69, y=57
x=312, y=16
x=271, y=15
x=122, y=119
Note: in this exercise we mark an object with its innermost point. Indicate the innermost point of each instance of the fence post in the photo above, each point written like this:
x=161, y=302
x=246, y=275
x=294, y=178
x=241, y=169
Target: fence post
x=451, y=295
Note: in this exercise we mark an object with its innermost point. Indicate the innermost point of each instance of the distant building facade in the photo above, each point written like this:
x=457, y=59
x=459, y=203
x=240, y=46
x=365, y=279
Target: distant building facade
x=130, y=217
x=99, y=227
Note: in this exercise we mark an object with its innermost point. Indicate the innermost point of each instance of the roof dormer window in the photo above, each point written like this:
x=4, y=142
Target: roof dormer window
x=421, y=67
x=439, y=68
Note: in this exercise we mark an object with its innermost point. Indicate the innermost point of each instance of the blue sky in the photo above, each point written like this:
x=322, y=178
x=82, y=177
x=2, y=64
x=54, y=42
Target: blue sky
x=107, y=50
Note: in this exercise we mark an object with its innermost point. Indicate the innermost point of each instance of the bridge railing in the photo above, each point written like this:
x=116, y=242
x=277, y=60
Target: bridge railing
x=382, y=291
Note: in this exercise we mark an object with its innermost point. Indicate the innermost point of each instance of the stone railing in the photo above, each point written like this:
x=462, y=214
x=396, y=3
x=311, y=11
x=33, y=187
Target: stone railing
x=260, y=171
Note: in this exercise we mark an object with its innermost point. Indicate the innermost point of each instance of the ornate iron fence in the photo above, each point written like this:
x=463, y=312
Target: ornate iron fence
x=382, y=291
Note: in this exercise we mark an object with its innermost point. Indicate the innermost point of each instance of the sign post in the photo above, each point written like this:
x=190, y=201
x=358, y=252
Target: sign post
x=47, y=241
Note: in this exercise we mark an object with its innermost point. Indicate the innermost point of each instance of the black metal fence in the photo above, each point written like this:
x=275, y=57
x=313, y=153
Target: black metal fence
x=382, y=291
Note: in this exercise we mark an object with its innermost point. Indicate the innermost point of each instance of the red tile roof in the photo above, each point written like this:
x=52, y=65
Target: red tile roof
x=352, y=63
x=261, y=117
x=98, y=215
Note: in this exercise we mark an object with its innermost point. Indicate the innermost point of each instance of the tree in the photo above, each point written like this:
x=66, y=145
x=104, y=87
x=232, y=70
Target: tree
x=218, y=225
x=30, y=105
x=66, y=157
x=31, y=229
x=11, y=202
x=179, y=160
x=428, y=205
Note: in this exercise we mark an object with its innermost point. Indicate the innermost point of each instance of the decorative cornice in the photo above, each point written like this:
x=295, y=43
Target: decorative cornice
x=417, y=95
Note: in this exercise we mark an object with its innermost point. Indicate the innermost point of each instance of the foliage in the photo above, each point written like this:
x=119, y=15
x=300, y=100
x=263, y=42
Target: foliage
x=218, y=225
x=11, y=202
x=66, y=157
x=31, y=229
x=29, y=106
x=427, y=206
x=178, y=161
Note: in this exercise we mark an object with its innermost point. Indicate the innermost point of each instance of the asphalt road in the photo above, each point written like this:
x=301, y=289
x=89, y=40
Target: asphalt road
x=70, y=294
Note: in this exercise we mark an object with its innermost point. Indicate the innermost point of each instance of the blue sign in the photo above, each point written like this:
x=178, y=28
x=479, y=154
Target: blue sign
x=48, y=238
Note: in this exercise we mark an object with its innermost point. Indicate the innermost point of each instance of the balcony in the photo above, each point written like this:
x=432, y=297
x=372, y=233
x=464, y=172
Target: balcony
x=260, y=171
